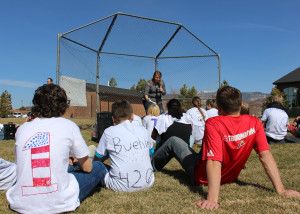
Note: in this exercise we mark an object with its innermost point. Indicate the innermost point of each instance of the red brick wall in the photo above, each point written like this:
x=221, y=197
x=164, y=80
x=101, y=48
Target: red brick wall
x=90, y=109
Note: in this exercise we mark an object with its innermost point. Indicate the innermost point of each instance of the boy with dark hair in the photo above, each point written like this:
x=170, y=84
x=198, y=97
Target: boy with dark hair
x=49, y=81
x=227, y=145
x=127, y=145
x=276, y=121
x=42, y=151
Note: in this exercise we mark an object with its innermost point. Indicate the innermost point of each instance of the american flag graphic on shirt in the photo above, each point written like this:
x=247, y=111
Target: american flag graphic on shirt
x=39, y=144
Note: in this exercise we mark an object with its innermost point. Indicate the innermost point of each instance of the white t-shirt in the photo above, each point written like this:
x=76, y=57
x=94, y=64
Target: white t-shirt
x=198, y=122
x=149, y=122
x=163, y=123
x=8, y=174
x=166, y=120
x=213, y=112
x=277, y=120
x=137, y=120
x=127, y=146
x=42, y=157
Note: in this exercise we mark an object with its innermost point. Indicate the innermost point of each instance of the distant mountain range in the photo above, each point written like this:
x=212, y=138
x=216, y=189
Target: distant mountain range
x=254, y=99
x=247, y=96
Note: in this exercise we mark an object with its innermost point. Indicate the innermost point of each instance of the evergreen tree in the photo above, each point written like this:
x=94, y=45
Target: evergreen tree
x=113, y=82
x=140, y=85
x=186, y=94
x=275, y=91
x=5, y=104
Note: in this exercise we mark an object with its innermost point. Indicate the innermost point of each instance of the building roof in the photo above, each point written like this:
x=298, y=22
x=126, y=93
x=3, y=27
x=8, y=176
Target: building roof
x=293, y=76
x=113, y=90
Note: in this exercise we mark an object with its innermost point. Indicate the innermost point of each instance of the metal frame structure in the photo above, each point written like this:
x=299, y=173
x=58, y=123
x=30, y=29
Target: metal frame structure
x=99, y=51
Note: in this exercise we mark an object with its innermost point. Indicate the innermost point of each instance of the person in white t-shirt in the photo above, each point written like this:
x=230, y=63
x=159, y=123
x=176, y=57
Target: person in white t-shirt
x=198, y=116
x=150, y=120
x=175, y=123
x=8, y=174
x=137, y=120
x=276, y=120
x=211, y=108
x=42, y=153
x=128, y=147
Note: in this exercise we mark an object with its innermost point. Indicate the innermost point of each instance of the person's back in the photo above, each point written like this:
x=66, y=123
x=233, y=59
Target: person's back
x=198, y=116
x=237, y=137
x=50, y=139
x=137, y=120
x=149, y=122
x=127, y=146
x=276, y=123
x=42, y=151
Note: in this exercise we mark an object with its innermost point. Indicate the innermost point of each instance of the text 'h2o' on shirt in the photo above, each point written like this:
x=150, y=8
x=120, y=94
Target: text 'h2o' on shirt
x=127, y=146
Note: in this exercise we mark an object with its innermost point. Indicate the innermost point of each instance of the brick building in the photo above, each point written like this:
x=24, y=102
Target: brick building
x=113, y=94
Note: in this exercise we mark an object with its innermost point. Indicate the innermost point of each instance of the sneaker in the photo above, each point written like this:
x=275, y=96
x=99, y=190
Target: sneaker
x=92, y=149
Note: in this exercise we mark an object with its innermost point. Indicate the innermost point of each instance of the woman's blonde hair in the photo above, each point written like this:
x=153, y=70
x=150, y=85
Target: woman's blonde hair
x=153, y=110
x=196, y=102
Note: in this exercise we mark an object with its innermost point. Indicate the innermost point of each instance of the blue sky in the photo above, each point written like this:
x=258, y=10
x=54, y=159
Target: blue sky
x=258, y=40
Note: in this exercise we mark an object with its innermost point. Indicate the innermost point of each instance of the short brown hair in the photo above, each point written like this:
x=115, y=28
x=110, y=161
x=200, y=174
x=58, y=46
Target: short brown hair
x=49, y=101
x=229, y=99
x=121, y=110
x=245, y=109
x=211, y=102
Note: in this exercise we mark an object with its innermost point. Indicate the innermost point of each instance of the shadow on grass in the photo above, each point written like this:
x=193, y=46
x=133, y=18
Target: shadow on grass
x=182, y=177
x=243, y=183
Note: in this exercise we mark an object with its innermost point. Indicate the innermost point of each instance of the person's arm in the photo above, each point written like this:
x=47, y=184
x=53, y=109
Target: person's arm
x=263, y=123
x=162, y=88
x=213, y=171
x=85, y=164
x=99, y=157
x=270, y=166
x=147, y=89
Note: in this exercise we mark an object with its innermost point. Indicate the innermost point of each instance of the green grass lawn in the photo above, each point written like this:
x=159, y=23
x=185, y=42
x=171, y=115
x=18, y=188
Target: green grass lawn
x=253, y=193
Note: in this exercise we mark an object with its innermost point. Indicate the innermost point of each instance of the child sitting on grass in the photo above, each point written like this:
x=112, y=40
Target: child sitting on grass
x=127, y=146
x=42, y=151
x=149, y=121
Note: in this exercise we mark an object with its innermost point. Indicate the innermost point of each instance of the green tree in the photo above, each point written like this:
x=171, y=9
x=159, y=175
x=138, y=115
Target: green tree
x=183, y=91
x=225, y=83
x=22, y=108
x=133, y=87
x=113, y=82
x=186, y=94
x=5, y=104
x=140, y=85
x=274, y=92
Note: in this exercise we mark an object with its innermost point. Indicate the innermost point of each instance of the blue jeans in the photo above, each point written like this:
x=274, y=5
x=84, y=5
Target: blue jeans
x=177, y=148
x=88, y=181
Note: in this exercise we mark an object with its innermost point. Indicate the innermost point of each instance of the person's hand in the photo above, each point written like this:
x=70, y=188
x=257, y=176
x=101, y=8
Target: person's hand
x=290, y=193
x=161, y=89
x=72, y=160
x=208, y=205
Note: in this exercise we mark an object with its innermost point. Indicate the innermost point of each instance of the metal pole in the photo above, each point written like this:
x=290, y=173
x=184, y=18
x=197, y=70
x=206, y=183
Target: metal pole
x=58, y=59
x=166, y=45
x=219, y=69
x=155, y=64
x=97, y=85
x=91, y=106
x=108, y=32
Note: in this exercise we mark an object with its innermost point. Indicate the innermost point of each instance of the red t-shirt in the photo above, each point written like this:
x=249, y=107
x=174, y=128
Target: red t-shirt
x=230, y=140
